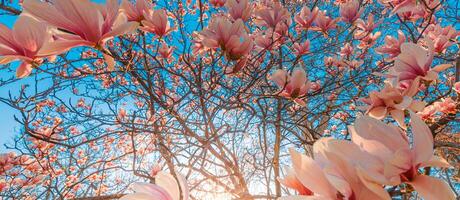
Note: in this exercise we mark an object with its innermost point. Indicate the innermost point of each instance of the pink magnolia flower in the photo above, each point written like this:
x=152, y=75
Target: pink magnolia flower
x=403, y=6
x=346, y=50
x=393, y=101
x=265, y=41
x=136, y=12
x=441, y=37
x=369, y=40
x=230, y=37
x=165, y=51
x=400, y=160
x=392, y=45
x=324, y=23
x=415, y=61
x=291, y=181
x=239, y=9
x=364, y=28
x=25, y=42
x=217, y=3
x=84, y=23
x=332, y=174
x=457, y=87
x=157, y=22
x=293, y=87
x=446, y=106
x=428, y=113
x=305, y=18
x=350, y=11
x=302, y=48
x=271, y=17
x=166, y=188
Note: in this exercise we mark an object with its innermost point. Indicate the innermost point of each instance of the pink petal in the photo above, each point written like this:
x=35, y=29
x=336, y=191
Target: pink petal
x=169, y=183
x=310, y=174
x=48, y=13
x=398, y=116
x=378, y=112
x=442, y=67
x=431, y=188
x=126, y=28
x=109, y=61
x=60, y=46
x=375, y=130
x=24, y=70
x=85, y=15
x=436, y=161
x=30, y=33
x=423, y=139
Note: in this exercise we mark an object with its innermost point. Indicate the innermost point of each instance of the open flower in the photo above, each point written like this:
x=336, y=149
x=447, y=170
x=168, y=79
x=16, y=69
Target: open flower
x=392, y=45
x=400, y=160
x=302, y=48
x=166, y=188
x=25, y=42
x=350, y=11
x=332, y=174
x=442, y=37
x=83, y=23
x=271, y=17
x=293, y=87
x=230, y=37
x=217, y=3
x=156, y=21
x=324, y=23
x=393, y=101
x=305, y=18
x=136, y=12
x=364, y=28
x=239, y=9
x=415, y=61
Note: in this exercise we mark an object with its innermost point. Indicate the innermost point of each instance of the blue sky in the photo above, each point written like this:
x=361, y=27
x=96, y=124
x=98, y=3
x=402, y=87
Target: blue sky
x=9, y=126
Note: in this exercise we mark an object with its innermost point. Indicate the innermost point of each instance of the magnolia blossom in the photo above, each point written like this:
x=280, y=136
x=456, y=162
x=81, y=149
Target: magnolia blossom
x=83, y=22
x=136, y=12
x=332, y=174
x=400, y=161
x=166, y=188
x=293, y=87
x=415, y=61
x=230, y=37
x=217, y=3
x=346, y=50
x=364, y=28
x=305, y=18
x=165, y=51
x=402, y=6
x=446, y=106
x=302, y=48
x=324, y=23
x=394, y=102
x=156, y=21
x=350, y=11
x=273, y=16
x=392, y=45
x=239, y=9
x=25, y=42
x=457, y=87
x=442, y=37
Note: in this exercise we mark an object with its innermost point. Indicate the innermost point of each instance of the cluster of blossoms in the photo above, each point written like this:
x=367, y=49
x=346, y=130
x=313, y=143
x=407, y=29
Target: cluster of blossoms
x=379, y=156
x=44, y=31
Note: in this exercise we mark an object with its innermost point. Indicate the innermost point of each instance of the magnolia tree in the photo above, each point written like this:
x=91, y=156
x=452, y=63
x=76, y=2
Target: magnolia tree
x=231, y=99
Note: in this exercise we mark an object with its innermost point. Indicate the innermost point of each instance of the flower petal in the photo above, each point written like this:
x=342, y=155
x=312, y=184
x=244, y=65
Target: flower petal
x=431, y=188
x=311, y=175
x=423, y=139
